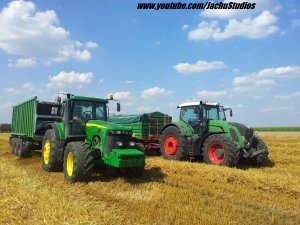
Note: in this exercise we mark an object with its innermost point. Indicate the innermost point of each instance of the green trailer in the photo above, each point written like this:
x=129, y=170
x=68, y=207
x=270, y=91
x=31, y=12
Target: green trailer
x=30, y=120
x=74, y=135
x=146, y=127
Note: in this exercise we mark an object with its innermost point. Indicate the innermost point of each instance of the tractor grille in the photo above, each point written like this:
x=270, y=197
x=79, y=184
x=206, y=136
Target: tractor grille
x=111, y=141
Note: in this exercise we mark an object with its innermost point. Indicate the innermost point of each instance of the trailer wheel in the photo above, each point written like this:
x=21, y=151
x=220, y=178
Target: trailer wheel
x=49, y=155
x=12, y=145
x=17, y=147
x=219, y=149
x=78, y=162
x=172, y=144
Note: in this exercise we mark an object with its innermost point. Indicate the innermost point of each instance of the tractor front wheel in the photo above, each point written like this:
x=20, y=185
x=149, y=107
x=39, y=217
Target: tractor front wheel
x=219, y=149
x=78, y=162
x=172, y=144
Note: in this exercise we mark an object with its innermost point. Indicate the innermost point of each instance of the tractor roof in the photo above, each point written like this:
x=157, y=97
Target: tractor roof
x=197, y=103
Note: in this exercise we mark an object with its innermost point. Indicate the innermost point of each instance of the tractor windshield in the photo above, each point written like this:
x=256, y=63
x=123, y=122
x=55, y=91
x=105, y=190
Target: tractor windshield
x=214, y=112
x=87, y=110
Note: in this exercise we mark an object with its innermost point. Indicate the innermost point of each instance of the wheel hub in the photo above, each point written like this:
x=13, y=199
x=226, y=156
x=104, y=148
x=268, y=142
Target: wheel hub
x=216, y=153
x=171, y=145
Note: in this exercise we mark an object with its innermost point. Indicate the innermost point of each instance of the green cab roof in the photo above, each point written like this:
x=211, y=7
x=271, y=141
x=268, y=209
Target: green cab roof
x=85, y=98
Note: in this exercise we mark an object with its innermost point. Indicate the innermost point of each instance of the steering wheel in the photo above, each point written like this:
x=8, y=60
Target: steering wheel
x=87, y=114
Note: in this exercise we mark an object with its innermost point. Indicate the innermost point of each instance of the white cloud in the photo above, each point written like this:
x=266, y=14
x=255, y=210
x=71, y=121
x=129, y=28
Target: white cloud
x=6, y=106
x=261, y=26
x=288, y=97
x=260, y=5
x=185, y=27
x=211, y=94
x=199, y=67
x=143, y=109
x=155, y=92
x=73, y=78
x=28, y=86
x=235, y=70
x=295, y=23
x=91, y=44
x=12, y=90
x=264, y=79
x=121, y=95
x=101, y=81
x=129, y=81
x=36, y=35
x=264, y=110
x=158, y=43
x=21, y=63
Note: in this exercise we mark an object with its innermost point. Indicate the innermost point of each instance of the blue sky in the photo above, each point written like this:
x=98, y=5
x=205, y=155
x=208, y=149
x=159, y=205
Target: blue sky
x=154, y=60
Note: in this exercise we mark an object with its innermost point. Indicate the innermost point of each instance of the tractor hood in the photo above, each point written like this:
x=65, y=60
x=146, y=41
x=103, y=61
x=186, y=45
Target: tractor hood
x=245, y=131
x=105, y=125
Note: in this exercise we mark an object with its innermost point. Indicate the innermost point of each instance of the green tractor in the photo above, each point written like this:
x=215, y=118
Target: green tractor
x=203, y=133
x=75, y=136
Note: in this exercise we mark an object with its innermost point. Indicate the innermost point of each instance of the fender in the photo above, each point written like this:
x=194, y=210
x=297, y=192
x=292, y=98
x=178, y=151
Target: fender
x=170, y=125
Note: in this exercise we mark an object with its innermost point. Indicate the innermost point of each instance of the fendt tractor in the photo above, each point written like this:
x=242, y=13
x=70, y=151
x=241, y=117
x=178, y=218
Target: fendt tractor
x=74, y=136
x=203, y=134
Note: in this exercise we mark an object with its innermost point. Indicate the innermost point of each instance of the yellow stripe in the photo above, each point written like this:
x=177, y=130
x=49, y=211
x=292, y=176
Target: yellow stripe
x=94, y=125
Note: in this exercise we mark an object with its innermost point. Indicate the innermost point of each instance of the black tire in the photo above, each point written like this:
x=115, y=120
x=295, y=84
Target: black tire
x=173, y=144
x=17, y=146
x=219, y=149
x=49, y=152
x=12, y=145
x=82, y=158
x=262, y=158
x=24, y=151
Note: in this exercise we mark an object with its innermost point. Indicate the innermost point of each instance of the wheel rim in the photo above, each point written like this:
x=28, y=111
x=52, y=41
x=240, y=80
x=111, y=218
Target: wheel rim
x=46, y=151
x=171, y=145
x=216, y=153
x=70, y=164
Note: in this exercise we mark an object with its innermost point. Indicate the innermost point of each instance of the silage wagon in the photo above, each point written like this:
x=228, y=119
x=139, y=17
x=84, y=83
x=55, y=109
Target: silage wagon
x=146, y=127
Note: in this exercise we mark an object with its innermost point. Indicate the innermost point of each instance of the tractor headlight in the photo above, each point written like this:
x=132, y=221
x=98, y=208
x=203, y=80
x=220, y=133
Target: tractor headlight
x=119, y=143
x=131, y=143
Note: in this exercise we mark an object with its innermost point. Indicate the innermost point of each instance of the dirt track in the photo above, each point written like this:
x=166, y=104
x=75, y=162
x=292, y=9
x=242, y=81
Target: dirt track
x=169, y=193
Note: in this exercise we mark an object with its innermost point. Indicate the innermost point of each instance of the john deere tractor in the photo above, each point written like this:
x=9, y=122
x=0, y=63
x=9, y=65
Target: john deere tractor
x=75, y=135
x=203, y=133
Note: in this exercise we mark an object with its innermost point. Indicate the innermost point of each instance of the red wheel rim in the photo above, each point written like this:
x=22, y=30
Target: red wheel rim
x=171, y=145
x=216, y=153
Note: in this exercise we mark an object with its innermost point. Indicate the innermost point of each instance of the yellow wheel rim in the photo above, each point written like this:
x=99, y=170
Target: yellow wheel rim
x=46, y=151
x=70, y=163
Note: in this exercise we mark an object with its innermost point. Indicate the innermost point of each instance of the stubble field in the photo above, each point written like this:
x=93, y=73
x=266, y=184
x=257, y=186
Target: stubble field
x=169, y=192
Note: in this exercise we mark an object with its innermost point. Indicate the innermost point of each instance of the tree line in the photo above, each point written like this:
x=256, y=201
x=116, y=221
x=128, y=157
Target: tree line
x=5, y=127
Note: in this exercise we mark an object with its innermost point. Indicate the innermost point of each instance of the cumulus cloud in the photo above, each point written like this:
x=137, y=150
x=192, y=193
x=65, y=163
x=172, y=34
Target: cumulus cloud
x=101, y=81
x=211, y=94
x=260, y=5
x=73, y=78
x=185, y=27
x=288, y=97
x=129, y=81
x=36, y=35
x=259, y=27
x=91, y=44
x=155, y=92
x=199, y=67
x=121, y=95
x=22, y=62
x=264, y=78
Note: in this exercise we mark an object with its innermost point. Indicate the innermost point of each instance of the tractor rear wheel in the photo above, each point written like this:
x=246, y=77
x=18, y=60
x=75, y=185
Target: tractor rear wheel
x=78, y=161
x=172, y=144
x=219, y=149
x=49, y=152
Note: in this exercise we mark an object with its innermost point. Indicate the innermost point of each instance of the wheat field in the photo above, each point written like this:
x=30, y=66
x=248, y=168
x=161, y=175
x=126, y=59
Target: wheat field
x=168, y=193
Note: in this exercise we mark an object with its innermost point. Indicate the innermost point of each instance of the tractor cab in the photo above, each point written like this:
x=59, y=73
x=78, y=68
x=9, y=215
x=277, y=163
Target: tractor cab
x=198, y=114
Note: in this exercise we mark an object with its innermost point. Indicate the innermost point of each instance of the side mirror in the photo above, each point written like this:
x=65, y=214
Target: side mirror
x=118, y=107
x=230, y=112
